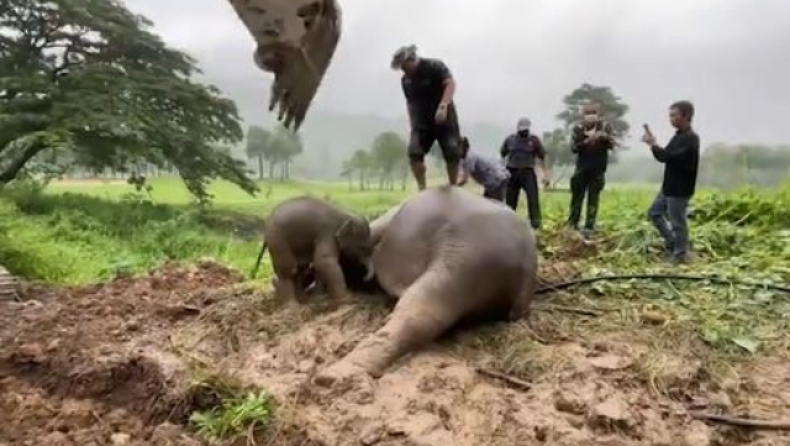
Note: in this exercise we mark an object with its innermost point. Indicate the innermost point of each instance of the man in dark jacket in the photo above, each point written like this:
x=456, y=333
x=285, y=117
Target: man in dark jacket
x=591, y=141
x=681, y=163
x=521, y=151
x=429, y=87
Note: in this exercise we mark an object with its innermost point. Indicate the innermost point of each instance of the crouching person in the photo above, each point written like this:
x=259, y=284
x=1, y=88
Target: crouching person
x=485, y=171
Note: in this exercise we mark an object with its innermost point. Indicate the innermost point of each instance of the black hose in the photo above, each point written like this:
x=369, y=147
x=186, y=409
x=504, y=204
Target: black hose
x=714, y=280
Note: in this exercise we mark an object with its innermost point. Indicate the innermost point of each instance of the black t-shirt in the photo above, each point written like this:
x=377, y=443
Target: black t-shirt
x=681, y=162
x=424, y=90
x=593, y=156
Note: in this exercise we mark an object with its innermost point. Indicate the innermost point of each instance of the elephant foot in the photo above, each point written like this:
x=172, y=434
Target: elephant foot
x=342, y=373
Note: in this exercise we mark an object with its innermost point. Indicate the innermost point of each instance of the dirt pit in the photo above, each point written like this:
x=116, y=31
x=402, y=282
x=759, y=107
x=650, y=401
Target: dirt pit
x=125, y=363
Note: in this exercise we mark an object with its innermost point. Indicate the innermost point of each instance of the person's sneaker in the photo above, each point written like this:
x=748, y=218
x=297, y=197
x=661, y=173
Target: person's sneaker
x=586, y=233
x=679, y=260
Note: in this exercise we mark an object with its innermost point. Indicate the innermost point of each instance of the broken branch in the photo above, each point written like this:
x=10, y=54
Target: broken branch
x=782, y=425
x=520, y=383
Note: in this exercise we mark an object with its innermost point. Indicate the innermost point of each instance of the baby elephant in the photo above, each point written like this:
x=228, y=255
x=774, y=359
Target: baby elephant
x=307, y=233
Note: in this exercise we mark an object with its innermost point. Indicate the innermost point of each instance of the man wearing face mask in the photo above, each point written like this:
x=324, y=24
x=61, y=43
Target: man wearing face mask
x=591, y=141
x=429, y=87
x=521, y=151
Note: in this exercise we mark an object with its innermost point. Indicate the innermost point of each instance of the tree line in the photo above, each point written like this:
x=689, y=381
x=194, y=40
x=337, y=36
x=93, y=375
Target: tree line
x=384, y=161
x=277, y=147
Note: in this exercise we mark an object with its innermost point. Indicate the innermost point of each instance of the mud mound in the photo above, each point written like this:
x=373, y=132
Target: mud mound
x=552, y=381
x=91, y=365
x=117, y=363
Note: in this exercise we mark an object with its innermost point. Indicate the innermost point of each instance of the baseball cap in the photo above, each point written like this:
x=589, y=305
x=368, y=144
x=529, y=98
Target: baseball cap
x=403, y=54
x=523, y=124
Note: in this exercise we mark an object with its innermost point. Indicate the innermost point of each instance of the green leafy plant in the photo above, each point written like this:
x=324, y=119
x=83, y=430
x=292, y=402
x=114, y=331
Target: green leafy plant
x=235, y=415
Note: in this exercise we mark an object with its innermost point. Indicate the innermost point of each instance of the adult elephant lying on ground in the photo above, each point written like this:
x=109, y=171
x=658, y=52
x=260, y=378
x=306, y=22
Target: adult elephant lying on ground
x=447, y=255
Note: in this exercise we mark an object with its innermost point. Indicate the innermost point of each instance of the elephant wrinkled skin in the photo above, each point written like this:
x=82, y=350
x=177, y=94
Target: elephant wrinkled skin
x=447, y=255
x=307, y=234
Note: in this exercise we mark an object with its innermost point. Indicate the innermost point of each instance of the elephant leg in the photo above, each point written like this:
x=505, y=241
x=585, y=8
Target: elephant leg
x=327, y=266
x=522, y=301
x=286, y=283
x=305, y=278
x=287, y=289
x=421, y=316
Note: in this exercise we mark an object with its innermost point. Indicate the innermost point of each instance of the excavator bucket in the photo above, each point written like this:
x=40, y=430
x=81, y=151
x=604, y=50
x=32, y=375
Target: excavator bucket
x=296, y=40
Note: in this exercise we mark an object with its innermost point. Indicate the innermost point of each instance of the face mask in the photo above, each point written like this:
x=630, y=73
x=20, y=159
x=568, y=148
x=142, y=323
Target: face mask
x=590, y=118
x=523, y=133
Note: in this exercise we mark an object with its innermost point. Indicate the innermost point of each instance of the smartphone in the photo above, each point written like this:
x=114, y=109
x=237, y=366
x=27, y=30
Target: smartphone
x=647, y=129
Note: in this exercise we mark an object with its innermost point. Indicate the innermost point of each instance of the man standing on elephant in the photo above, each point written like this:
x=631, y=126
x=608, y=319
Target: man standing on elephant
x=521, y=151
x=591, y=141
x=429, y=87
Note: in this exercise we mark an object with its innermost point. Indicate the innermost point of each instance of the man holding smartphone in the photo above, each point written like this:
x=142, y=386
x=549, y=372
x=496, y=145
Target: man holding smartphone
x=681, y=163
x=591, y=141
x=429, y=88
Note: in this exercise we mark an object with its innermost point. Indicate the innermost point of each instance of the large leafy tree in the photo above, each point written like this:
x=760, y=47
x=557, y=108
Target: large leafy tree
x=86, y=80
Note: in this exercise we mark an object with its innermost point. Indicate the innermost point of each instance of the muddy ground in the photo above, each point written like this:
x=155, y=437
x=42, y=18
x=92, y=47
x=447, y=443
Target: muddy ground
x=118, y=364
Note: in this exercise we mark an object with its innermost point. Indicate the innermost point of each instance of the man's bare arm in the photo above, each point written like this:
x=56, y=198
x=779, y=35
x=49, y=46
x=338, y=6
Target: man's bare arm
x=449, y=90
x=463, y=177
x=540, y=155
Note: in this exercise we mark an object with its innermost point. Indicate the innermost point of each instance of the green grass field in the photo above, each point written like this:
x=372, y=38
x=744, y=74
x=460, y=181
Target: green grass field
x=82, y=231
x=78, y=232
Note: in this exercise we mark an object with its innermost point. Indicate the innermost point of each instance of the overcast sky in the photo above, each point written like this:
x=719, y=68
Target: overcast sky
x=520, y=57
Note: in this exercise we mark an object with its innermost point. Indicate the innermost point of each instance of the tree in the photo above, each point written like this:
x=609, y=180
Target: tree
x=347, y=172
x=258, y=140
x=86, y=80
x=361, y=162
x=557, y=145
x=388, y=153
x=724, y=165
x=284, y=146
x=613, y=108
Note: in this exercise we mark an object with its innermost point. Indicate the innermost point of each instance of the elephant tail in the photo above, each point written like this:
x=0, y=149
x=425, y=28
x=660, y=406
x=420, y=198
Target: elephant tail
x=258, y=262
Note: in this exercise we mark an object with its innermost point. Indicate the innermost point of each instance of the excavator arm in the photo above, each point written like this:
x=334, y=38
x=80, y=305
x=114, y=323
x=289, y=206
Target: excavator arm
x=296, y=40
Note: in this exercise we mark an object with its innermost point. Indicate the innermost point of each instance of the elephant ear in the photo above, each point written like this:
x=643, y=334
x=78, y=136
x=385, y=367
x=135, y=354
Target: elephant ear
x=296, y=41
